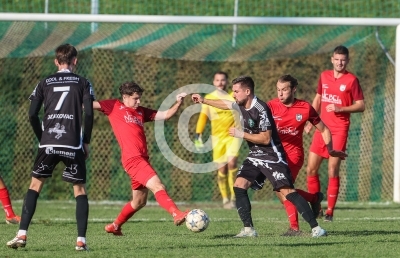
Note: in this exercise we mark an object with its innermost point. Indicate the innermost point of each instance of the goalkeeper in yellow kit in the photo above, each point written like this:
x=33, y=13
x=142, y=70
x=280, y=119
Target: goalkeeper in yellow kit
x=225, y=147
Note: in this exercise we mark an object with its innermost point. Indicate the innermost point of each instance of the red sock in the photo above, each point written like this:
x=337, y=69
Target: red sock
x=125, y=214
x=5, y=200
x=166, y=202
x=313, y=184
x=309, y=197
x=291, y=212
x=333, y=192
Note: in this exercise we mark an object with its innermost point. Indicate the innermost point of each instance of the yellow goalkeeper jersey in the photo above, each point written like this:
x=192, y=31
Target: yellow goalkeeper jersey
x=221, y=120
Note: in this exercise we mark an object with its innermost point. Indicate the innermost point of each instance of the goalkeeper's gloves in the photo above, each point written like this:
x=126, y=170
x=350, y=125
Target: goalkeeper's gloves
x=198, y=143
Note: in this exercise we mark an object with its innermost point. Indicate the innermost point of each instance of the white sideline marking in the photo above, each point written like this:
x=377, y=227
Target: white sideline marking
x=224, y=219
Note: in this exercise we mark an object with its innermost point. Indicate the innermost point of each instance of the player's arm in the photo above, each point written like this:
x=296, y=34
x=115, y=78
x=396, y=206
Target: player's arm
x=357, y=106
x=218, y=103
x=259, y=138
x=316, y=104
x=327, y=137
x=96, y=105
x=34, y=118
x=87, y=124
x=167, y=114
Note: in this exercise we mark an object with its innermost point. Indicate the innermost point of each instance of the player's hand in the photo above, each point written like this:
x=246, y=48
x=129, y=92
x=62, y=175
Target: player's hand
x=198, y=143
x=338, y=154
x=236, y=132
x=86, y=150
x=180, y=97
x=332, y=108
x=197, y=98
x=308, y=127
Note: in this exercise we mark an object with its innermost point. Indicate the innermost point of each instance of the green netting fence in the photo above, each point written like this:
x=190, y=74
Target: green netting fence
x=164, y=57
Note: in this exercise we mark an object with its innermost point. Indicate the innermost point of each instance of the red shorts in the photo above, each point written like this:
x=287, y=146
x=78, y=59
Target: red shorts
x=339, y=141
x=139, y=171
x=295, y=163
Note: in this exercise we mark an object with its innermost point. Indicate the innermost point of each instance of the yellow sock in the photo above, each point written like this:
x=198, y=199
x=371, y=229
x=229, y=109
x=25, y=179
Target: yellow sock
x=231, y=180
x=223, y=185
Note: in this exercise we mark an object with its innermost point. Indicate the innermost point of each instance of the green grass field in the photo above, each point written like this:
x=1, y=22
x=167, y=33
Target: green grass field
x=358, y=230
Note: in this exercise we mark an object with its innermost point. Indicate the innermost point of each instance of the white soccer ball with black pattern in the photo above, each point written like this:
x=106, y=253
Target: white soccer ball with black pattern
x=197, y=220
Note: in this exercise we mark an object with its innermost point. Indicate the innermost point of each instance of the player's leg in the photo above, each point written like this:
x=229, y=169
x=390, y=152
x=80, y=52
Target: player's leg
x=232, y=152
x=11, y=218
x=75, y=173
x=333, y=187
x=42, y=169
x=317, y=153
x=165, y=201
x=339, y=140
x=248, y=175
x=304, y=209
x=313, y=183
x=139, y=200
x=281, y=181
x=81, y=215
x=28, y=210
x=222, y=174
x=295, y=162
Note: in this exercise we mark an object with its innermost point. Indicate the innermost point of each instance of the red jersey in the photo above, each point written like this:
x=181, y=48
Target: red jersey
x=127, y=124
x=341, y=92
x=290, y=122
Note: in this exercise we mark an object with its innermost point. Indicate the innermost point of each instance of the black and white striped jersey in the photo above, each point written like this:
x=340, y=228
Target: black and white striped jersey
x=258, y=118
x=62, y=95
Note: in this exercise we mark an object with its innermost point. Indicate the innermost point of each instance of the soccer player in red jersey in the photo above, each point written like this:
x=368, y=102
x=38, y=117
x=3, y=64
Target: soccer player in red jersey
x=127, y=117
x=11, y=218
x=290, y=115
x=338, y=95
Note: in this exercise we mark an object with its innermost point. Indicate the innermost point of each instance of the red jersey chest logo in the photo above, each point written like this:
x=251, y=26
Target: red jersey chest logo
x=299, y=117
x=130, y=117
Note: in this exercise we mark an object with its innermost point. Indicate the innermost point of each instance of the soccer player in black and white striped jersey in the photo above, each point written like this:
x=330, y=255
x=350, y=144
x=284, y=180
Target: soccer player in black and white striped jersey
x=266, y=158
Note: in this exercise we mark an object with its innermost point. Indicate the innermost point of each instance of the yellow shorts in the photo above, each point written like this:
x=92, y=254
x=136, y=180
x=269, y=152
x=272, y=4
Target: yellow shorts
x=225, y=147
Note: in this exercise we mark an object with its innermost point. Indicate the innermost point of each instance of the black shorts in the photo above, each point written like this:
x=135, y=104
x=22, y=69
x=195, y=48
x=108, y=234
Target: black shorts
x=73, y=159
x=257, y=170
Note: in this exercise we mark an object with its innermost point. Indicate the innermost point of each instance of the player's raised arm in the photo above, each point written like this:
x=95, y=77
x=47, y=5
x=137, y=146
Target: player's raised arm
x=221, y=104
x=167, y=114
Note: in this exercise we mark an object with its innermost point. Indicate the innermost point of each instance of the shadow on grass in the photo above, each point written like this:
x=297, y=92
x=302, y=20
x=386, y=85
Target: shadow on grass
x=357, y=233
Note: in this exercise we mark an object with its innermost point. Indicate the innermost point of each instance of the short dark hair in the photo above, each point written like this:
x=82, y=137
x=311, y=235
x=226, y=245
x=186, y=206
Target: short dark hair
x=245, y=81
x=288, y=78
x=66, y=53
x=341, y=50
x=223, y=73
x=129, y=88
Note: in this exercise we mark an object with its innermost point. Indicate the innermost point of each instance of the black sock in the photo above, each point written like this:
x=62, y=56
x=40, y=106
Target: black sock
x=243, y=206
x=82, y=214
x=28, y=209
x=303, y=208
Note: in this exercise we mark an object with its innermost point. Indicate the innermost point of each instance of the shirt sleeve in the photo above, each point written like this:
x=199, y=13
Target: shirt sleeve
x=313, y=116
x=37, y=93
x=356, y=91
x=265, y=117
x=319, y=86
x=149, y=114
x=107, y=106
x=89, y=92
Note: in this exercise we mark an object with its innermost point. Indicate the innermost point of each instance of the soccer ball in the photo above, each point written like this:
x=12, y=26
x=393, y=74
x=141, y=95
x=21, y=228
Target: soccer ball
x=197, y=220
